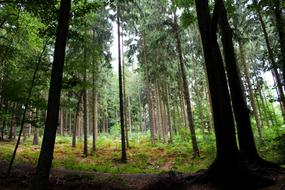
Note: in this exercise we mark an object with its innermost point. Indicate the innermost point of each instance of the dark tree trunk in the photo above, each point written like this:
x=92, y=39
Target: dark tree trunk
x=185, y=89
x=123, y=140
x=41, y=177
x=125, y=98
x=241, y=112
x=228, y=168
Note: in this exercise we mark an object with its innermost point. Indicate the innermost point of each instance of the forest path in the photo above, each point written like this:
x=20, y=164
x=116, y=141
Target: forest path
x=68, y=180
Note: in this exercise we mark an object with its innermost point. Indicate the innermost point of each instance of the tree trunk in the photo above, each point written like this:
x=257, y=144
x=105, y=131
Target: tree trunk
x=148, y=90
x=36, y=136
x=85, y=107
x=41, y=178
x=130, y=113
x=122, y=121
x=76, y=121
x=168, y=116
x=94, y=109
x=249, y=86
x=228, y=169
x=125, y=97
x=186, y=89
x=241, y=112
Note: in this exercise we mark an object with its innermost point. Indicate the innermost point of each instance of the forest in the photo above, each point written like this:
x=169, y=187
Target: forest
x=142, y=94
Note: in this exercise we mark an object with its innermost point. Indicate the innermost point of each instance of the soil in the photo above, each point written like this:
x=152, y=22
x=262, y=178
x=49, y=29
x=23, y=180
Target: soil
x=62, y=179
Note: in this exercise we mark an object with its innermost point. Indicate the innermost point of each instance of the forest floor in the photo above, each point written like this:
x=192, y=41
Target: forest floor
x=62, y=179
x=160, y=166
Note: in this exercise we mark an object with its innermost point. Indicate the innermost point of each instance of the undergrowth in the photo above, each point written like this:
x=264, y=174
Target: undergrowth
x=142, y=156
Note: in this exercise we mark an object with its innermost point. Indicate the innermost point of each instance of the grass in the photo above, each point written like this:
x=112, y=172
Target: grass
x=142, y=156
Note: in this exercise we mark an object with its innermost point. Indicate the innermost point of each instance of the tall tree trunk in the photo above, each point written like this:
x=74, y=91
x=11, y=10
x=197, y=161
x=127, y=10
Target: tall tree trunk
x=85, y=107
x=241, y=112
x=185, y=89
x=249, y=86
x=140, y=112
x=159, y=118
x=130, y=113
x=168, y=116
x=125, y=96
x=76, y=120
x=123, y=140
x=228, y=163
x=94, y=105
x=200, y=107
x=272, y=60
x=148, y=89
x=264, y=108
x=36, y=136
x=41, y=178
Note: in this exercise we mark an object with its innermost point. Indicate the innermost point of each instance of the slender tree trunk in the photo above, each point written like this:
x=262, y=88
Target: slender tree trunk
x=41, y=178
x=140, y=112
x=76, y=121
x=123, y=140
x=125, y=97
x=264, y=108
x=36, y=136
x=94, y=107
x=85, y=111
x=168, y=116
x=159, y=118
x=200, y=107
x=161, y=114
x=249, y=86
x=149, y=94
x=186, y=89
x=130, y=113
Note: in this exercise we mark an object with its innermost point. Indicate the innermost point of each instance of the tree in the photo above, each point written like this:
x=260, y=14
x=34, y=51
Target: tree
x=185, y=88
x=228, y=162
x=123, y=140
x=40, y=180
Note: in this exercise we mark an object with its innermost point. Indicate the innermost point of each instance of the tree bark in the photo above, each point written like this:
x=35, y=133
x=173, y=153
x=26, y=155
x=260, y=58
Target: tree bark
x=148, y=90
x=85, y=106
x=249, y=86
x=122, y=120
x=168, y=116
x=228, y=167
x=41, y=178
x=186, y=89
